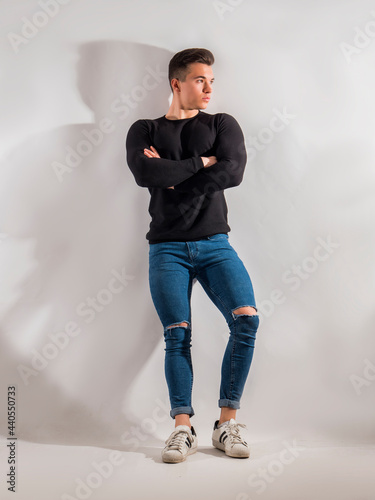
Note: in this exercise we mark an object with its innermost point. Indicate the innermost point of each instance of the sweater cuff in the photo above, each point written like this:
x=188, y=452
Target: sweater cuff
x=198, y=163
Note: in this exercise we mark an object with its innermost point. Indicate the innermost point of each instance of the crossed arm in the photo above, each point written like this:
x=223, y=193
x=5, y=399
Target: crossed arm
x=191, y=175
x=207, y=160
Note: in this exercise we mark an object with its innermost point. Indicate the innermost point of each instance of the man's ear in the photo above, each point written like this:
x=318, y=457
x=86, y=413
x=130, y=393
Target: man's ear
x=176, y=84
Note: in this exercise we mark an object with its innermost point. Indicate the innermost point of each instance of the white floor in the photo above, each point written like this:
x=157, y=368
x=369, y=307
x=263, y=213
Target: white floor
x=279, y=469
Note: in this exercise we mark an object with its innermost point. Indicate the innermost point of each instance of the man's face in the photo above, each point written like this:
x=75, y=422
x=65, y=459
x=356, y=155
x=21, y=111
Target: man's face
x=197, y=87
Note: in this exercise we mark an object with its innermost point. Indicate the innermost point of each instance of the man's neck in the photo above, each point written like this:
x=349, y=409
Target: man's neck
x=176, y=113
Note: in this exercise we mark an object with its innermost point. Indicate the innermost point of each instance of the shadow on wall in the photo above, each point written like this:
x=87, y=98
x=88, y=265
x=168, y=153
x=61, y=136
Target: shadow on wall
x=78, y=324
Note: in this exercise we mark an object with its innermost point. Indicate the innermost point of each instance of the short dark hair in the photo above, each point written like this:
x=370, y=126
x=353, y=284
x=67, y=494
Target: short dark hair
x=179, y=65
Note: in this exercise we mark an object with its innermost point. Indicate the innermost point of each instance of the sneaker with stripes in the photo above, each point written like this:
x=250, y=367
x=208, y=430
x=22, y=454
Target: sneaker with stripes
x=227, y=437
x=181, y=443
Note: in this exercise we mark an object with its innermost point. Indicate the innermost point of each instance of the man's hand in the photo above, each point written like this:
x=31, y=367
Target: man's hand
x=208, y=161
x=152, y=153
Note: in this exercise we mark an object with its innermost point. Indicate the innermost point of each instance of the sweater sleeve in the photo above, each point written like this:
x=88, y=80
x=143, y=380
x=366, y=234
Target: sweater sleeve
x=155, y=172
x=229, y=149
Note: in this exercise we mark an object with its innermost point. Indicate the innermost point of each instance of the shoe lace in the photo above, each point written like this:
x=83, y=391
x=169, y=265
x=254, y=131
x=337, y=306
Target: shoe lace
x=176, y=440
x=234, y=433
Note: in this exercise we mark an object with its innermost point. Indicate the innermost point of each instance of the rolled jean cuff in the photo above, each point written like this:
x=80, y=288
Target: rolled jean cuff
x=182, y=409
x=229, y=403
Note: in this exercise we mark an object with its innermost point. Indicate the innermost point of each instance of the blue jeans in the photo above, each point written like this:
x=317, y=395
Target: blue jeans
x=173, y=268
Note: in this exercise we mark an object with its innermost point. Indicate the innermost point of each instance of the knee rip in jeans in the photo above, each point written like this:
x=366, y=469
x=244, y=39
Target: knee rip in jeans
x=184, y=324
x=245, y=322
x=178, y=333
x=245, y=311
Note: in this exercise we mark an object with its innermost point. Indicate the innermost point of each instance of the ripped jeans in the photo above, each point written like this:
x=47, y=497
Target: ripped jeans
x=174, y=266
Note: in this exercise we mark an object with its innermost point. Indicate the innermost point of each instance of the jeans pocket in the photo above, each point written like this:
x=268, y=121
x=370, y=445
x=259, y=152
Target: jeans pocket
x=218, y=236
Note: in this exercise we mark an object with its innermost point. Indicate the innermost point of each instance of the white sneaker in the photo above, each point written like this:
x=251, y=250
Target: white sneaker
x=181, y=443
x=227, y=437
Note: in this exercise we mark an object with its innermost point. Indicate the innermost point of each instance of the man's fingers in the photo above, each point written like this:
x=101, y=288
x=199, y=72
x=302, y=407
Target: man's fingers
x=154, y=150
x=151, y=154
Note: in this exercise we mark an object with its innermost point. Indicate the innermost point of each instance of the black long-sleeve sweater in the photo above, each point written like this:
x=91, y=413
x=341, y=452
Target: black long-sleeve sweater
x=196, y=207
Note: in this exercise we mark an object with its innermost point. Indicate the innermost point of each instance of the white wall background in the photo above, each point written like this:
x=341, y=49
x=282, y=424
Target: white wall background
x=302, y=220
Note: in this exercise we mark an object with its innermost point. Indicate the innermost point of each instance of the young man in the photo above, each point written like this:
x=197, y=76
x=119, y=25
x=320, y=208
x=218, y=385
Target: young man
x=186, y=159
